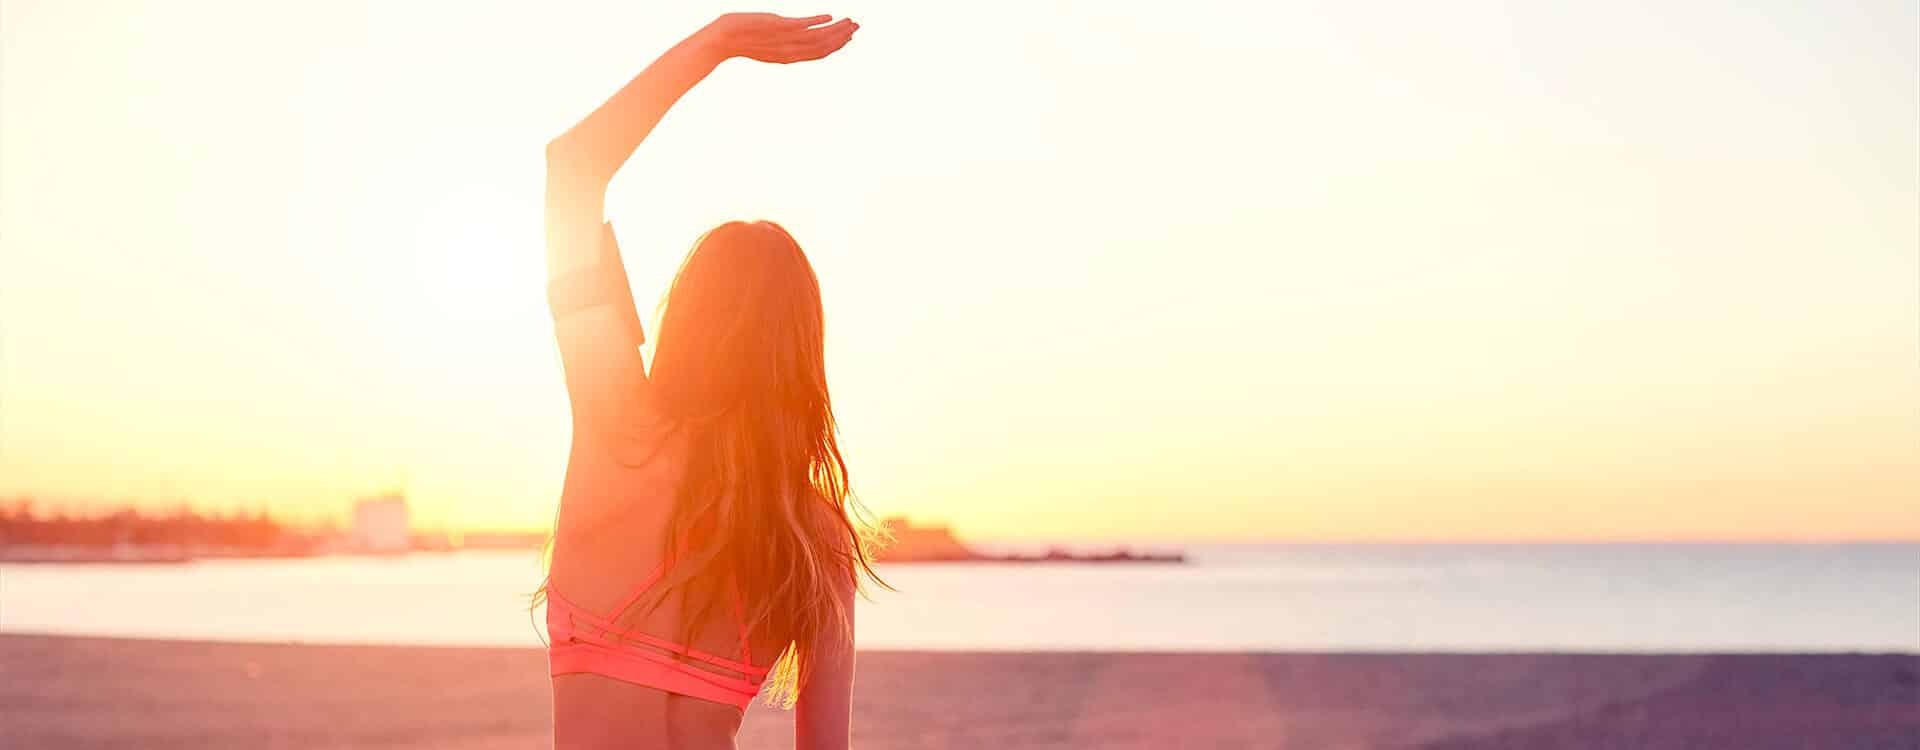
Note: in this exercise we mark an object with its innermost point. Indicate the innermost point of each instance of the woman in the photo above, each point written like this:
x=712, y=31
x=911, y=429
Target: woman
x=706, y=546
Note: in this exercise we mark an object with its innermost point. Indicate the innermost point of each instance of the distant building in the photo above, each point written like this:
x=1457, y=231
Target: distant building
x=380, y=524
x=913, y=543
x=936, y=543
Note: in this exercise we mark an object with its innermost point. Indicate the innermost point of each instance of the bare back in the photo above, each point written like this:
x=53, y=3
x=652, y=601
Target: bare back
x=611, y=535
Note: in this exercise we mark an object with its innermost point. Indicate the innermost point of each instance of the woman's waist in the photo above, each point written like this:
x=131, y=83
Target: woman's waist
x=595, y=711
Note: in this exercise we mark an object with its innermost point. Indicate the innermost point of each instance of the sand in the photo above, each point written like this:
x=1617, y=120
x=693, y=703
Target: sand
x=59, y=692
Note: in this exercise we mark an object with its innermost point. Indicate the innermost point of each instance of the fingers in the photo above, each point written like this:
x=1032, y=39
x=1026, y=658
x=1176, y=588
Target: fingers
x=834, y=34
x=833, y=42
x=820, y=42
x=798, y=40
x=842, y=26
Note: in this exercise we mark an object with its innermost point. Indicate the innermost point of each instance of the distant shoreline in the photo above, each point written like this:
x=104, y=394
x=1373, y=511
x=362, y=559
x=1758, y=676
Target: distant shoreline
x=935, y=543
x=1201, y=653
x=919, y=552
x=171, y=554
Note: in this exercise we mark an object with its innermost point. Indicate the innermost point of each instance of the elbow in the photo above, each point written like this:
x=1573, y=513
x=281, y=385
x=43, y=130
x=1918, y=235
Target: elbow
x=561, y=150
x=563, y=156
x=569, y=163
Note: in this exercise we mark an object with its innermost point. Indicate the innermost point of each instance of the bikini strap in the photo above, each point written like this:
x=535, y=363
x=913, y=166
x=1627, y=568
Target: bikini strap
x=679, y=550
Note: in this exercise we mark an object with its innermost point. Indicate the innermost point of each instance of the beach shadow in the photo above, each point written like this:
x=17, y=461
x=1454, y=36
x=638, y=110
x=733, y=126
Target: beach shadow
x=1745, y=702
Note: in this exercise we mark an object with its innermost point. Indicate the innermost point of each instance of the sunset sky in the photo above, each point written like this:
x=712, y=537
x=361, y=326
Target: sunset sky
x=1221, y=270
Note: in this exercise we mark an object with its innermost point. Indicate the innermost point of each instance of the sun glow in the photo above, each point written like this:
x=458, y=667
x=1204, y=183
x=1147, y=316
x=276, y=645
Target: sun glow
x=1254, y=272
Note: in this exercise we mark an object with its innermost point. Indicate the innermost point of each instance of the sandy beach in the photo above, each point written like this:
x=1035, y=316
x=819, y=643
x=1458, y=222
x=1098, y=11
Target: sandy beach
x=60, y=692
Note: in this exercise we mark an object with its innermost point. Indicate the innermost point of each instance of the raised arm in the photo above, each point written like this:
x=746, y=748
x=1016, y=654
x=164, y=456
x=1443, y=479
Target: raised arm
x=582, y=161
x=595, y=320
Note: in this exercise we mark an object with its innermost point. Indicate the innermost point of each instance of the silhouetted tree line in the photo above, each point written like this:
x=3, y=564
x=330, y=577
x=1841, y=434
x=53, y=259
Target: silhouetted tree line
x=19, y=524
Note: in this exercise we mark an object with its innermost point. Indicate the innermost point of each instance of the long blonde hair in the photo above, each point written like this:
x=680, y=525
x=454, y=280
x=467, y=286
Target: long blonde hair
x=740, y=365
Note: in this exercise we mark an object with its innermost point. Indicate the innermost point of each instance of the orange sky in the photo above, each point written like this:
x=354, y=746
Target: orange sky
x=1105, y=270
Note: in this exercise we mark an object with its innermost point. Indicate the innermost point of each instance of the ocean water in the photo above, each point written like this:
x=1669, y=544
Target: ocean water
x=1592, y=598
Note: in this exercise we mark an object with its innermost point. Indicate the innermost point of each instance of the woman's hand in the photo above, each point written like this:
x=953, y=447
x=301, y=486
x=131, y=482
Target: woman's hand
x=778, y=39
x=582, y=161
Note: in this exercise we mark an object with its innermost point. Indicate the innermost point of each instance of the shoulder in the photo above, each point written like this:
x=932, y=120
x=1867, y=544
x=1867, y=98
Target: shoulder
x=631, y=434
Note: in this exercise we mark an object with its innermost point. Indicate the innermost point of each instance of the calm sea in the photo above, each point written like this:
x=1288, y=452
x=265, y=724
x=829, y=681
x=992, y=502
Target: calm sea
x=1233, y=597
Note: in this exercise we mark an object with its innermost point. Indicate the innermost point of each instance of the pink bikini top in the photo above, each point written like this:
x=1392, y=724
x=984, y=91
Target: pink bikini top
x=584, y=642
